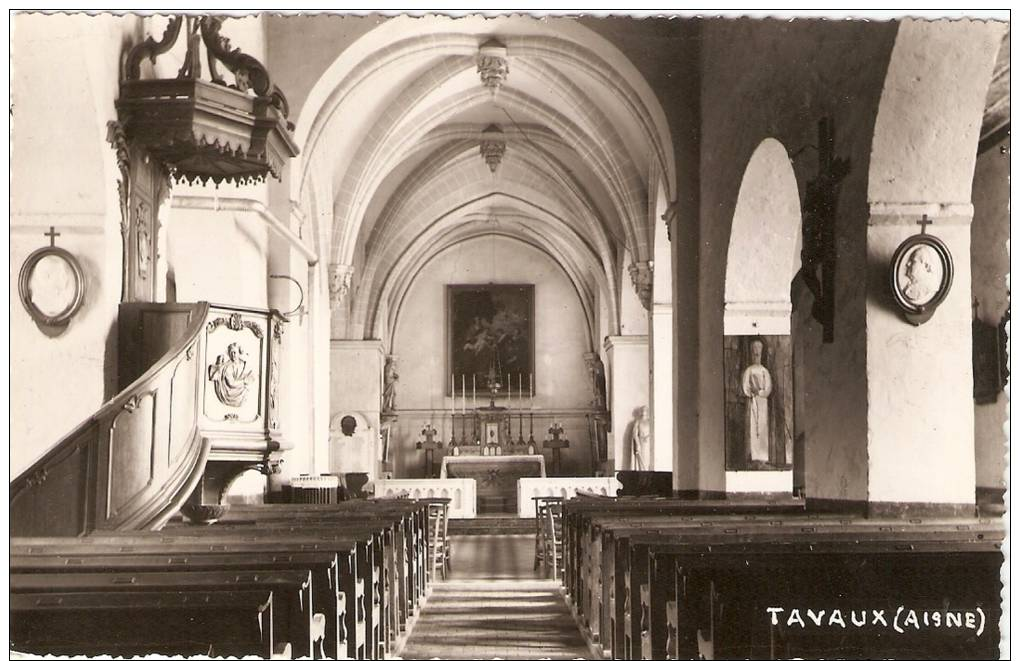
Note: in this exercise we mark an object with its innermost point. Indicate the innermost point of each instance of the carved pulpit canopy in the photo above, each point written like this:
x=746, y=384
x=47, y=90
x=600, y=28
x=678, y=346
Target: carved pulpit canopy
x=206, y=129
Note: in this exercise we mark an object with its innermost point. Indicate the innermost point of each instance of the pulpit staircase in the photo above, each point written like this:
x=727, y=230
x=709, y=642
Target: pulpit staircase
x=134, y=462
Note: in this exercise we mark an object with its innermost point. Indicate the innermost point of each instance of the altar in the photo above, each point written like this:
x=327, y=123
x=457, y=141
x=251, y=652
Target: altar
x=496, y=476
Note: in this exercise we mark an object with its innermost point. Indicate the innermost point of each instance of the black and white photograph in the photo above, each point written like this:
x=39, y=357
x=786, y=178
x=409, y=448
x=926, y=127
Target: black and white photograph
x=509, y=333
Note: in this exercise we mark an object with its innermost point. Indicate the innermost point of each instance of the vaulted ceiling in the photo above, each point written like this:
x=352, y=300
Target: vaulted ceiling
x=537, y=131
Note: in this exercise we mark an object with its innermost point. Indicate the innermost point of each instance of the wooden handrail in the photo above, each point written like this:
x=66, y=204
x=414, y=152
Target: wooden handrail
x=131, y=464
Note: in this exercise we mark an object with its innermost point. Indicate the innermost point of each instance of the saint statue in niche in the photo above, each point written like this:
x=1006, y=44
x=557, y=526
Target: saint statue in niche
x=231, y=376
x=390, y=377
x=641, y=440
x=756, y=386
x=922, y=276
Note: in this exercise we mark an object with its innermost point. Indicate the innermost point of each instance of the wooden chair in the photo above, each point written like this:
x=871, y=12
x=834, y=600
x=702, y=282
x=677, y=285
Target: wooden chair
x=439, y=544
x=540, y=535
x=553, y=533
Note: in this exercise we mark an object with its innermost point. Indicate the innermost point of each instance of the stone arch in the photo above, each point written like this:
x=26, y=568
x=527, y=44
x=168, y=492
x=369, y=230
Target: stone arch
x=764, y=249
x=922, y=162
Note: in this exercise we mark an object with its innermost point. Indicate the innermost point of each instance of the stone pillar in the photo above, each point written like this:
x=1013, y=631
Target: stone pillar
x=356, y=368
x=920, y=439
x=627, y=357
x=662, y=386
x=681, y=219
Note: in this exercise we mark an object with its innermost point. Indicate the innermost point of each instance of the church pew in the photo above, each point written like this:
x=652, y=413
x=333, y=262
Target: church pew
x=581, y=545
x=291, y=591
x=721, y=593
x=325, y=568
x=645, y=627
x=355, y=570
x=383, y=602
x=602, y=588
x=405, y=555
x=370, y=597
x=381, y=568
x=621, y=551
x=236, y=623
x=600, y=598
x=413, y=528
x=577, y=510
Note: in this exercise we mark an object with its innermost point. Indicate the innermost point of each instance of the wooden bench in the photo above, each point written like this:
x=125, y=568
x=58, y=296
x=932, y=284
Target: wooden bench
x=582, y=551
x=220, y=623
x=291, y=589
x=325, y=567
x=634, y=631
x=369, y=554
x=364, y=581
x=722, y=593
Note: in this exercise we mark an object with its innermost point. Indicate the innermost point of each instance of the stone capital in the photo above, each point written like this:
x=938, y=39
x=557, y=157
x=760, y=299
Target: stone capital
x=671, y=214
x=641, y=274
x=340, y=276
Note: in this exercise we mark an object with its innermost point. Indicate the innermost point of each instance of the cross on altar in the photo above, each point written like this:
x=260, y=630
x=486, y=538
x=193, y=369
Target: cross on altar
x=924, y=223
x=53, y=234
x=556, y=444
x=430, y=445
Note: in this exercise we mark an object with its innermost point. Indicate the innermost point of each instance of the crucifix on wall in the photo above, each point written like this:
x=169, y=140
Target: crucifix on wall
x=818, y=255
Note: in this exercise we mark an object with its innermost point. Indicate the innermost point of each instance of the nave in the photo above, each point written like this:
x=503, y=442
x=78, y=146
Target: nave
x=495, y=604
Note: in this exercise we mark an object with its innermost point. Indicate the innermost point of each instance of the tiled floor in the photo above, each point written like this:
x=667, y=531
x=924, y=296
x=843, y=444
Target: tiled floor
x=495, y=606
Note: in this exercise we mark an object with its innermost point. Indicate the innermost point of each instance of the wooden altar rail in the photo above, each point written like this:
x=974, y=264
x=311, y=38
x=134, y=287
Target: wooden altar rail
x=563, y=487
x=132, y=464
x=462, y=492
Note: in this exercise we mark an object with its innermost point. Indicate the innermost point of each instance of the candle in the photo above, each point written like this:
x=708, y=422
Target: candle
x=508, y=389
x=531, y=387
x=453, y=398
x=474, y=402
x=520, y=391
x=463, y=395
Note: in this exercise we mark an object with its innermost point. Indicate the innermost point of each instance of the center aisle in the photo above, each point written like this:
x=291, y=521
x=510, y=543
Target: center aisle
x=495, y=606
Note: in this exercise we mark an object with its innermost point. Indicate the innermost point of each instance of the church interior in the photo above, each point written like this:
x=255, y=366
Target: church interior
x=365, y=336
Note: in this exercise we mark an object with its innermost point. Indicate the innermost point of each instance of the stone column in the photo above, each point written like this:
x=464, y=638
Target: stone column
x=681, y=218
x=627, y=378
x=920, y=440
x=356, y=368
x=662, y=386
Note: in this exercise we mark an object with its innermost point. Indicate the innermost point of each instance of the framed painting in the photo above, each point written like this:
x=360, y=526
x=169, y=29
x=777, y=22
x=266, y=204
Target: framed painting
x=758, y=370
x=490, y=327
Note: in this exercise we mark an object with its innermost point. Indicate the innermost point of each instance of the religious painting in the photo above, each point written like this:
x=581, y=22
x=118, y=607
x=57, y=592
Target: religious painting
x=920, y=276
x=758, y=372
x=491, y=331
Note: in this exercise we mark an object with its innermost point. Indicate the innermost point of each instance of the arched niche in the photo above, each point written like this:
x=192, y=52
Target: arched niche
x=762, y=260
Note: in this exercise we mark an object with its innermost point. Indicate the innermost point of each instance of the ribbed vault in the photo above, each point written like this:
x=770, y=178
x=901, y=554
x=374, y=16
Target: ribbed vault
x=393, y=173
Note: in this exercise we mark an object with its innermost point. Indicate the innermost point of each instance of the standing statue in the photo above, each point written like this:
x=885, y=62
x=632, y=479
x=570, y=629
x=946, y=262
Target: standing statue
x=390, y=377
x=756, y=385
x=641, y=440
x=597, y=370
